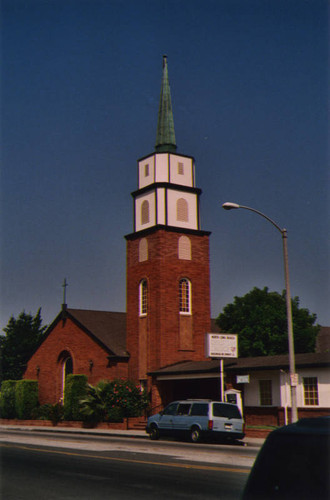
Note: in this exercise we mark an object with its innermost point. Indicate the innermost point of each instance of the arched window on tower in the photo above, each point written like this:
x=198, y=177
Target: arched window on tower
x=184, y=250
x=143, y=297
x=182, y=210
x=185, y=296
x=145, y=212
x=143, y=250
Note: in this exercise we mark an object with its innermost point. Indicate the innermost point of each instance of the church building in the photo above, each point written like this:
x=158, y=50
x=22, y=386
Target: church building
x=168, y=286
x=159, y=342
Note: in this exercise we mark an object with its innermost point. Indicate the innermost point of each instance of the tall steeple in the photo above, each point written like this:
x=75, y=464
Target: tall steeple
x=165, y=139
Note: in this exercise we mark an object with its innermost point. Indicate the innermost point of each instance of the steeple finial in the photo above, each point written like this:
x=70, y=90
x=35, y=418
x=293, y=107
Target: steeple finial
x=165, y=139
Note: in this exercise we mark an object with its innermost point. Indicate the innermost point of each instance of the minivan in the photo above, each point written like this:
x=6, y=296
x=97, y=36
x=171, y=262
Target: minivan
x=196, y=419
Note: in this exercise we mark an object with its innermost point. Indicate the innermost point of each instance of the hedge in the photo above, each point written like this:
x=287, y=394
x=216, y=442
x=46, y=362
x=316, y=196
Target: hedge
x=75, y=390
x=7, y=399
x=26, y=398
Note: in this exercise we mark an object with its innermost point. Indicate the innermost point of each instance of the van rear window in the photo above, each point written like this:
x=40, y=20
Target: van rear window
x=199, y=410
x=227, y=411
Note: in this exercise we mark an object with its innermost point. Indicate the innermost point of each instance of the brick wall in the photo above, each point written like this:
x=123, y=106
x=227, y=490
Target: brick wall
x=166, y=341
x=46, y=365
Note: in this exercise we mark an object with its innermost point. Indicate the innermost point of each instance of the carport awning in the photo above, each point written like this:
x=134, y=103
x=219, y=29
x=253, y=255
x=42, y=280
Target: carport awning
x=211, y=368
x=188, y=370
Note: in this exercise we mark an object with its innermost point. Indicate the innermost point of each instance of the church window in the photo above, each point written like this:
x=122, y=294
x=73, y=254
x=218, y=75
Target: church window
x=143, y=250
x=145, y=212
x=143, y=299
x=182, y=210
x=146, y=170
x=185, y=296
x=184, y=248
x=180, y=168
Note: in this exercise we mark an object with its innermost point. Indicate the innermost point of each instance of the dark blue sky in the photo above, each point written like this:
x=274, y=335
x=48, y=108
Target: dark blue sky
x=80, y=89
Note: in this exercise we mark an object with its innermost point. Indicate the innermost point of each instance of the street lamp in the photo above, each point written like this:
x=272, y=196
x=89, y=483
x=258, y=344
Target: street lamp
x=293, y=376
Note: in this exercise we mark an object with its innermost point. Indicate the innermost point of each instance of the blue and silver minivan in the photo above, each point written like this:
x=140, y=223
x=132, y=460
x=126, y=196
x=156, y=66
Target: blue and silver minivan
x=197, y=418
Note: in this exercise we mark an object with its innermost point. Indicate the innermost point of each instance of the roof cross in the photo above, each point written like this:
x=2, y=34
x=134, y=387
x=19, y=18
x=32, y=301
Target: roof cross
x=65, y=284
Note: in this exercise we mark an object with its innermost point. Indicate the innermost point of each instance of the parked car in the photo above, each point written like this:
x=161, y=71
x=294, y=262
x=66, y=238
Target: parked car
x=197, y=419
x=294, y=463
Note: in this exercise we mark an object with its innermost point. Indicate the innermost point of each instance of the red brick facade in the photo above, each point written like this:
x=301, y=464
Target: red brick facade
x=88, y=358
x=164, y=336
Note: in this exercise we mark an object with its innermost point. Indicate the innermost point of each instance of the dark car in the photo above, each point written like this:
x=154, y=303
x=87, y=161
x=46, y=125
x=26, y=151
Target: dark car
x=294, y=463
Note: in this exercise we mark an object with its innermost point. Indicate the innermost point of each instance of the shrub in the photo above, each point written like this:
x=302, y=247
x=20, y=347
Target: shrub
x=49, y=412
x=7, y=399
x=75, y=390
x=92, y=406
x=124, y=394
x=26, y=398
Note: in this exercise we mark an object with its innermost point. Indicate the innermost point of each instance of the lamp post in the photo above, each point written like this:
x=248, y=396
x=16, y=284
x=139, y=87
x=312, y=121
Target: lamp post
x=293, y=376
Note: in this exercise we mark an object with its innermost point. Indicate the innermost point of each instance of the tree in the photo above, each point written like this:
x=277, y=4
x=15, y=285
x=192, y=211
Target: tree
x=260, y=320
x=22, y=337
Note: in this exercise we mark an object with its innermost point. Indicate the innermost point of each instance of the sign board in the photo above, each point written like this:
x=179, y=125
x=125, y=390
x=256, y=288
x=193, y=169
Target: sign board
x=294, y=379
x=242, y=379
x=221, y=345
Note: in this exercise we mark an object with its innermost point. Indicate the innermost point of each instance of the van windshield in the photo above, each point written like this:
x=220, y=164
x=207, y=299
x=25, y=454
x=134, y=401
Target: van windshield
x=225, y=410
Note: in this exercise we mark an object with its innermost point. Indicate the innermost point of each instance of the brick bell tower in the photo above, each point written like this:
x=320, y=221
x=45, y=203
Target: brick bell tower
x=168, y=276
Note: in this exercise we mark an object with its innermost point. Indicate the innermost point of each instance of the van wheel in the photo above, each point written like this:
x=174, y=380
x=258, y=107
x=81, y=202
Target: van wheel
x=195, y=434
x=154, y=433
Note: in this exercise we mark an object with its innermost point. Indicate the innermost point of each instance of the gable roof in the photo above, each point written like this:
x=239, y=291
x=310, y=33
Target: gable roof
x=108, y=329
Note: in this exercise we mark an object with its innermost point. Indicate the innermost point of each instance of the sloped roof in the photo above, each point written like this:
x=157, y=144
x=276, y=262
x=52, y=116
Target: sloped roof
x=323, y=340
x=246, y=364
x=109, y=328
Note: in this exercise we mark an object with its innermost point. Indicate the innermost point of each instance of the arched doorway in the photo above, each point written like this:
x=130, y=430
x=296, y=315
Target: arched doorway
x=65, y=360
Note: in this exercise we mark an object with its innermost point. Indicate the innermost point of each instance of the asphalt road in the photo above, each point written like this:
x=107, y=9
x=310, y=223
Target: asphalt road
x=30, y=471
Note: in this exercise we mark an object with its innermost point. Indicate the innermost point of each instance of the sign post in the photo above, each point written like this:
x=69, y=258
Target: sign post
x=221, y=345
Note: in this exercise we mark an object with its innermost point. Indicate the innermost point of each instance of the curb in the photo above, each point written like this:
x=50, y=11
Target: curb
x=256, y=442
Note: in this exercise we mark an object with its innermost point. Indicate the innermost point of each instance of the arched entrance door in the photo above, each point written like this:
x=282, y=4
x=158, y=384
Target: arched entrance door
x=66, y=362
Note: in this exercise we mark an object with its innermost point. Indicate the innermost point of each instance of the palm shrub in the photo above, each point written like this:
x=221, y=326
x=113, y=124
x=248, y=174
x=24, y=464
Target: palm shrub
x=92, y=406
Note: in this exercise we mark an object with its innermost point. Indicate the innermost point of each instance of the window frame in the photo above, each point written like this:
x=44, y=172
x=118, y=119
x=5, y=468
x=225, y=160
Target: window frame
x=185, y=296
x=145, y=212
x=311, y=391
x=265, y=392
x=143, y=297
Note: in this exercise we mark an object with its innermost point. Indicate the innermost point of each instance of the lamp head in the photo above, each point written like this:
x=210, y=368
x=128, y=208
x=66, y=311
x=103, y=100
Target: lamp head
x=230, y=206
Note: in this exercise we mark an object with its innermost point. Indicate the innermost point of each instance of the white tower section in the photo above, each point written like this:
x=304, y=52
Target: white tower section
x=166, y=193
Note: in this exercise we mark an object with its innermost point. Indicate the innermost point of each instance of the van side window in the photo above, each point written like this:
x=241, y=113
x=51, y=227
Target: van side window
x=170, y=409
x=227, y=411
x=200, y=410
x=183, y=409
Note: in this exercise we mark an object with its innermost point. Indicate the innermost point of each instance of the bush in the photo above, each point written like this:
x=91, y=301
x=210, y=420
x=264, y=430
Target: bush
x=92, y=407
x=49, y=412
x=75, y=390
x=26, y=398
x=124, y=394
x=112, y=401
x=7, y=399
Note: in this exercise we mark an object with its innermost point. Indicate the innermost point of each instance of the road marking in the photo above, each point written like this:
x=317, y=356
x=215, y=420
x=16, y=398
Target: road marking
x=129, y=460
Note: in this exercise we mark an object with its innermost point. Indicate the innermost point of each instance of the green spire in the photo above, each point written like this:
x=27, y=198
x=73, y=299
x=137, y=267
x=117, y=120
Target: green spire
x=165, y=139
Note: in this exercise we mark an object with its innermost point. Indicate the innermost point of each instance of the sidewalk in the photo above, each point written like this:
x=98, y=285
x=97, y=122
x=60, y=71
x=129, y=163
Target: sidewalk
x=141, y=434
